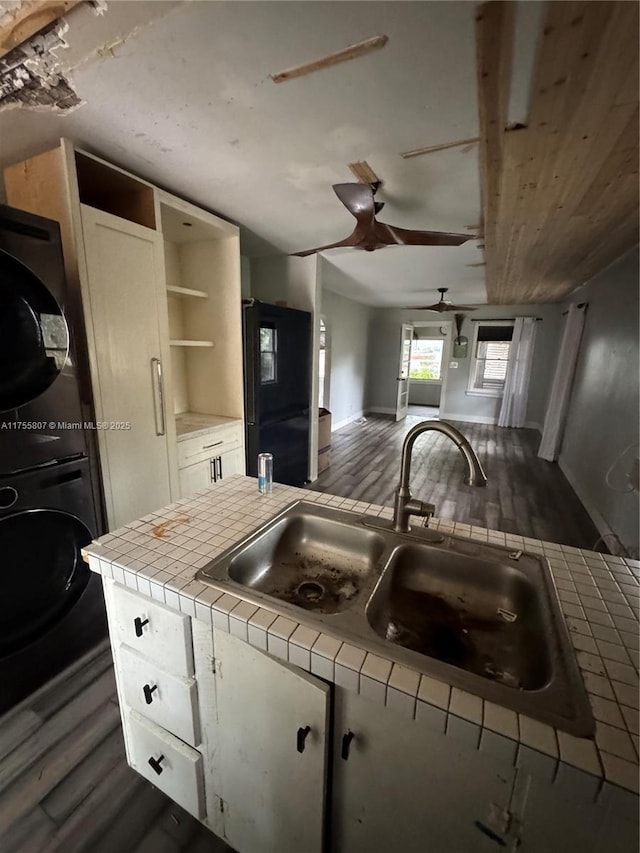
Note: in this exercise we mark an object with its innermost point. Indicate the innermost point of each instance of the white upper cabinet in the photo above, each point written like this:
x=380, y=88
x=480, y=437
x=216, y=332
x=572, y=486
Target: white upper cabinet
x=155, y=296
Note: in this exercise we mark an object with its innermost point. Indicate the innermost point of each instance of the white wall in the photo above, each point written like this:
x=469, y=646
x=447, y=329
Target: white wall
x=348, y=328
x=295, y=281
x=603, y=410
x=456, y=403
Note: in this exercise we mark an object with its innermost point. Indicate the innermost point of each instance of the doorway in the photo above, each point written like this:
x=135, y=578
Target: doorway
x=428, y=367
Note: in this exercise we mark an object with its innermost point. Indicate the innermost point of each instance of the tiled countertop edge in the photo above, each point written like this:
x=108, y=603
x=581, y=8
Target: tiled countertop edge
x=599, y=595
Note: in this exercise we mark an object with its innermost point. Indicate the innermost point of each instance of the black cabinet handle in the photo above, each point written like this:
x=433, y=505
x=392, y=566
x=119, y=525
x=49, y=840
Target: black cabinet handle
x=301, y=737
x=148, y=693
x=346, y=743
x=155, y=763
x=139, y=624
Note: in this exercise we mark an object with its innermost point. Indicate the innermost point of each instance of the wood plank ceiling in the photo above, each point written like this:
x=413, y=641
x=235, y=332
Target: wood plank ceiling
x=560, y=196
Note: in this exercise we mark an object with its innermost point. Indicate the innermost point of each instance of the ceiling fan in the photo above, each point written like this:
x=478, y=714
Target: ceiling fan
x=369, y=234
x=442, y=305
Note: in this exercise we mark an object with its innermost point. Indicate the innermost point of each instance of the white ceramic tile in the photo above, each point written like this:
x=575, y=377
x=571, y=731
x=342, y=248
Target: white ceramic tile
x=346, y=677
x=429, y=715
x=584, y=643
x=501, y=720
x=626, y=694
x=322, y=666
x=622, y=672
x=574, y=784
x=243, y=611
x=620, y=772
x=537, y=764
x=304, y=637
x=326, y=647
x=538, y=735
x=434, y=692
x=615, y=741
x=590, y=663
x=400, y=701
x=464, y=731
x=404, y=680
x=299, y=656
x=282, y=628
x=579, y=752
x=277, y=647
x=376, y=668
x=612, y=651
x=607, y=711
x=598, y=685
x=372, y=689
x=466, y=705
x=257, y=636
x=631, y=718
x=350, y=657
x=502, y=748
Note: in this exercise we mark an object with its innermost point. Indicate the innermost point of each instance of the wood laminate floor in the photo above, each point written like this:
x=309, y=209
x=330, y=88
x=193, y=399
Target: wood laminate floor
x=65, y=786
x=524, y=495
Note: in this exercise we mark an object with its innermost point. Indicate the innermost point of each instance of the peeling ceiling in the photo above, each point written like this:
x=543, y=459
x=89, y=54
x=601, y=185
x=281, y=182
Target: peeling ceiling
x=181, y=94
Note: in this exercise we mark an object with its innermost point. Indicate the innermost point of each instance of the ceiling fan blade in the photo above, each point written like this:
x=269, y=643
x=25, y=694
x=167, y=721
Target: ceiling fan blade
x=405, y=237
x=354, y=239
x=358, y=199
x=440, y=307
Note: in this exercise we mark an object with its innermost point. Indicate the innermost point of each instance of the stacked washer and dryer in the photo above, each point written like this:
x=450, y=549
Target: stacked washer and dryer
x=51, y=606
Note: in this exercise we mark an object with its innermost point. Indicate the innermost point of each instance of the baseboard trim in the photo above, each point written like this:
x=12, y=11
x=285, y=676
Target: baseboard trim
x=380, y=410
x=467, y=419
x=600, y=524
x=345, y=421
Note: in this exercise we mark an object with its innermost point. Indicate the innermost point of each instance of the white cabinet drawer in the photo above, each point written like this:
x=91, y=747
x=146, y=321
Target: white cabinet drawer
x=218, y=440
x=169, y=764
x=153, y=630
x=168, y=700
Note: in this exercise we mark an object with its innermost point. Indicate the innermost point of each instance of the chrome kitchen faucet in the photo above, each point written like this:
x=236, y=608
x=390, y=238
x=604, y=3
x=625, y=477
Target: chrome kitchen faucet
x=404, y=505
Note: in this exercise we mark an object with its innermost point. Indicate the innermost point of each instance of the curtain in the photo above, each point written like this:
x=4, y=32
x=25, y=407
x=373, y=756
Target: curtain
x=516, y=384
x=556, y=415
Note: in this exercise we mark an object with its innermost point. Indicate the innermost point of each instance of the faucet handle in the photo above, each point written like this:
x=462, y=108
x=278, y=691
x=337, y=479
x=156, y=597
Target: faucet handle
x=420, y=508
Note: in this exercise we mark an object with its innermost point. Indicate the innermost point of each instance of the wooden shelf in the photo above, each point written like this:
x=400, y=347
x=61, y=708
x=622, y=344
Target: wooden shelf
x=191, y=343
x=186, y=291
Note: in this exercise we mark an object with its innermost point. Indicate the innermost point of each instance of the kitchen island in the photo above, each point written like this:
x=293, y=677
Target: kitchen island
x=434, y=758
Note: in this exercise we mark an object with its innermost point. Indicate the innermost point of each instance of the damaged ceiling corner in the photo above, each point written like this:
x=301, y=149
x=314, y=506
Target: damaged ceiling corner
x=30, y=72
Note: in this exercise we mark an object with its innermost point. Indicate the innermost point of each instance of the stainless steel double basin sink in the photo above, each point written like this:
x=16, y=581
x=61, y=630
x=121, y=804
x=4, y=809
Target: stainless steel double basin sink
x=477, y=616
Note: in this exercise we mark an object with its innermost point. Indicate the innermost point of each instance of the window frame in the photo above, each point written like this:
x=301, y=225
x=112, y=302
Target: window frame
x=473, y=360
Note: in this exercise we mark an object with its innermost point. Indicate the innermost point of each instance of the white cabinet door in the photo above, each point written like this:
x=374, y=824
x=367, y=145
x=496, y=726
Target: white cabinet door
x=231, y=462
x=403, y=786
x=271, y=751
x=124, y=266
x=193, y=478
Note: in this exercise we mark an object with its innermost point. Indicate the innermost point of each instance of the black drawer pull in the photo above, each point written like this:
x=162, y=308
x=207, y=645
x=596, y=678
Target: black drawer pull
x=346, y=743
x=155, y=763
x=148, y=693
x=301, y=737
x=139, y=624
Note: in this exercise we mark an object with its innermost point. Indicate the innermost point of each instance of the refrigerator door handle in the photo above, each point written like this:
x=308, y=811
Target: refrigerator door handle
x=157, y=385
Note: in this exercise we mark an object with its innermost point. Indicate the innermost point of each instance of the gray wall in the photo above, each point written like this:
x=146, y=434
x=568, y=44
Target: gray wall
x=455, y=402
x=348, y=327
x=603, y=410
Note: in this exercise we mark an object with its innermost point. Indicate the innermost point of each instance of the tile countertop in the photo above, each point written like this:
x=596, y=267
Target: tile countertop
x=159, y=555
x=191, y=424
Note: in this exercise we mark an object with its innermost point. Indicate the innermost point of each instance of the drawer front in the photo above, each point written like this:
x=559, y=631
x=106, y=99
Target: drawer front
x=203, y=447
x=153, y=630
x=167, y=763
x=168, y=700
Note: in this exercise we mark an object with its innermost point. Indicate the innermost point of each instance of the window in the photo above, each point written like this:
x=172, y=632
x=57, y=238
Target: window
x=267, y=353
x=426, y=359
x=490, y=357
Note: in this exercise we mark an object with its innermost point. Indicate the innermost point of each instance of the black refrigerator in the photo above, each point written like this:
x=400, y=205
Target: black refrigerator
x=277, y=377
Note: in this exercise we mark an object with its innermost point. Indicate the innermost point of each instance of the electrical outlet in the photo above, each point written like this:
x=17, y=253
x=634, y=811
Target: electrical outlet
x=634, y=475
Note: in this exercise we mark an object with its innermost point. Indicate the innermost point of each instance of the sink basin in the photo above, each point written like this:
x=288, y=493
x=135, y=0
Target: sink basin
x=316, y=562
x=477, y=616
x=483, y=616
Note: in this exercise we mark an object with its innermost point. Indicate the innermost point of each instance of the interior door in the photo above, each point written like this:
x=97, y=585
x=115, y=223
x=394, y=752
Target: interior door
x=124, y=266
x=271, y=751
x=402, y=401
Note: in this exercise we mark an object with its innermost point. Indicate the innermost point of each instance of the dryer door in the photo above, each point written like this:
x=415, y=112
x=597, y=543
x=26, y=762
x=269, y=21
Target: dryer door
x=33, y=332
x=43, y=574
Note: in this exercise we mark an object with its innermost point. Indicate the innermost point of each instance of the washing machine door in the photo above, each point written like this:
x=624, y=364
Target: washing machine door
x=33, y=334
x=43, y=574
